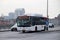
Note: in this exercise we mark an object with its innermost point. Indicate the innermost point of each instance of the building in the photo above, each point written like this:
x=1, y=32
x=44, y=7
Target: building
x=6, y=17
x=11, y=15
x=19, y=12
x=31, y=14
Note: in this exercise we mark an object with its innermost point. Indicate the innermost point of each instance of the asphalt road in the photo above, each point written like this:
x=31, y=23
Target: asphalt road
x=53, y=35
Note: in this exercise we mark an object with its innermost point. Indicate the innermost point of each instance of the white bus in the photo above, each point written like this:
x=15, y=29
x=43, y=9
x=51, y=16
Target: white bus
x=31, y=23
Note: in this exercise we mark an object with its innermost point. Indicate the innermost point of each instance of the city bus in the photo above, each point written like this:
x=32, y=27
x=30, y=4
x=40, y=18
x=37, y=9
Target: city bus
x=31, y=23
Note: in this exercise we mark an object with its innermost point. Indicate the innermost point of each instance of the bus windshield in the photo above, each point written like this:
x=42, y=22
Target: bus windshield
x=23, y=22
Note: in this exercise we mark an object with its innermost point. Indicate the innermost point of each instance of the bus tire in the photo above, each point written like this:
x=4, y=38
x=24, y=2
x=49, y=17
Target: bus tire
x=45, y=28
x=14, y=29
x=23, y=31
x=36, y=28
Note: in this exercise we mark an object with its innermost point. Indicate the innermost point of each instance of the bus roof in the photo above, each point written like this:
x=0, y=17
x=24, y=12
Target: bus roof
x=26, y=17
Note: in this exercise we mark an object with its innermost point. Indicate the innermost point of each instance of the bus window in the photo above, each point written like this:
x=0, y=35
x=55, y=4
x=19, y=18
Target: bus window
x=38, y=21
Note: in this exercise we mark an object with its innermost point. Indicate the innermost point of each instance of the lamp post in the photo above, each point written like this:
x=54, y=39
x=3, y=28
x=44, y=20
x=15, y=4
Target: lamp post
x=47, y=22
x=47, y=9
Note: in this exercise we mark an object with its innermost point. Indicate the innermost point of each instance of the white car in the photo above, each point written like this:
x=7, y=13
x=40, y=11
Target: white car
x=51, y=25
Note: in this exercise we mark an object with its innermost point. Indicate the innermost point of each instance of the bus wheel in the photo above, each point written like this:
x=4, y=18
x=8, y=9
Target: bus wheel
x=36, y=28
x=23, y=31
x=45, y=28
x=14, y=29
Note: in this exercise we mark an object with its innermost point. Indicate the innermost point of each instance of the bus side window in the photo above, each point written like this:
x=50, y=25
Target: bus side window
x=33, y=23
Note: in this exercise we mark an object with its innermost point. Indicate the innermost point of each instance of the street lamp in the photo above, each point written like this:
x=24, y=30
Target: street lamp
x=47, y=9
x=47, y=23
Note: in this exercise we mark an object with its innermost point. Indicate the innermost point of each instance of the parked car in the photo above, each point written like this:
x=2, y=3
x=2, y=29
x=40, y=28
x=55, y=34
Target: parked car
x=51, y=25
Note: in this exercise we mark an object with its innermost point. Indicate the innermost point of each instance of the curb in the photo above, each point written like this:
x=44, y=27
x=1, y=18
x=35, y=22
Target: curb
x=4, y=30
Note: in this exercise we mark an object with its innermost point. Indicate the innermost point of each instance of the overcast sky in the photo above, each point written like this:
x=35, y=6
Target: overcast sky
x=31, y=6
